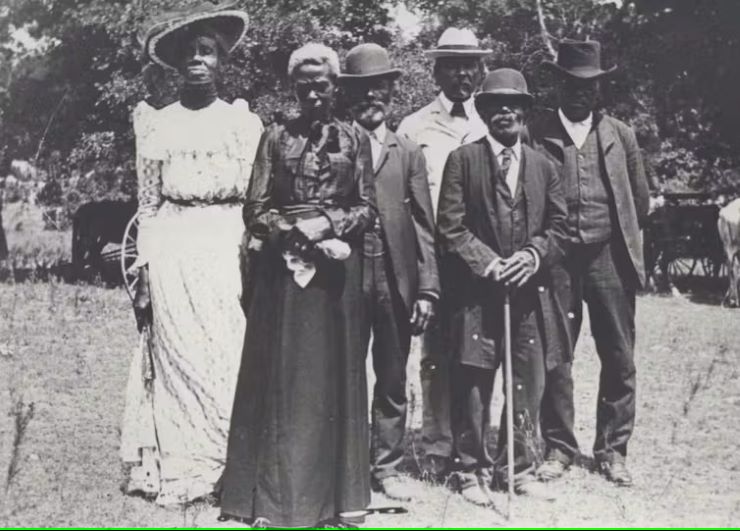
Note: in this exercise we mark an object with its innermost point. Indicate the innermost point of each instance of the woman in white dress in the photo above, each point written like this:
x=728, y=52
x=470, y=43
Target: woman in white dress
x=194, y=159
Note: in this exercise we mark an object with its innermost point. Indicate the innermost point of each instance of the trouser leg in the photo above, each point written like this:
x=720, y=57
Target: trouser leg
x=557, y=415
x=390, y=350
x=472, y=388
x=435, y=380
x=611, y=304
x=528, y=373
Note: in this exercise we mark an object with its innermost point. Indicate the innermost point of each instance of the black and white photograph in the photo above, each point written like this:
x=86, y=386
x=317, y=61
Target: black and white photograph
x=334, y=264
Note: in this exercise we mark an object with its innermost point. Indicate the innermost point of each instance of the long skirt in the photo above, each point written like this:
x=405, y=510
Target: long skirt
x=298, y=445
x=197, y=333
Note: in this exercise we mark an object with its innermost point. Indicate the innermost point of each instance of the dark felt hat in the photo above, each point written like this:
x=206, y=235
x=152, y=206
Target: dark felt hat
x=581, y=59
x=366, y=61
x=503, y=82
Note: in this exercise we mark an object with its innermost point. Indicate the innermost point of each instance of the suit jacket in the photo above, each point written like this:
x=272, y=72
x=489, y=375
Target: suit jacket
x=405, y=210
x=438, y=134
x=469, y=239
x=626, y=175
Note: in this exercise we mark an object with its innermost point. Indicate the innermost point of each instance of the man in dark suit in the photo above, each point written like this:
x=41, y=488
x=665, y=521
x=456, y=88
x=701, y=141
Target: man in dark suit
x=607, y=193
x=400, y=278
x=501, y=224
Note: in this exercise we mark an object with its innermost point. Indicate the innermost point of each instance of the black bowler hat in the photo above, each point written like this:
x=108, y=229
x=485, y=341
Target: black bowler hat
x=581, y=59
x=366, y=61
x=503, y=83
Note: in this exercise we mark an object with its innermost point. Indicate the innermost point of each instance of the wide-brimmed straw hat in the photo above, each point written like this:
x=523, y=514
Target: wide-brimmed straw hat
x=455, y=42
x=163, y=37
x=581, y=59
x=503, y=82
x=367, y=61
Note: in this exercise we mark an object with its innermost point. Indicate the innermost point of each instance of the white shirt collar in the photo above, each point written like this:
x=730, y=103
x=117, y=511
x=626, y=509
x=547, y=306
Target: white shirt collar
x=573, y=125
x=379, y=132
x=468, y=105
x=498, y=147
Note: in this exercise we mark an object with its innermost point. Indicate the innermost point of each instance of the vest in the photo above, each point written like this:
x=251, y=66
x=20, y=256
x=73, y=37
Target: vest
x=512, y=215
x=589, y=201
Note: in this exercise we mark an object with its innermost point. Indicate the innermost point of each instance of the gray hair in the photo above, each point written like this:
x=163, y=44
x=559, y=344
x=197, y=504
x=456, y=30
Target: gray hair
x=314, y=53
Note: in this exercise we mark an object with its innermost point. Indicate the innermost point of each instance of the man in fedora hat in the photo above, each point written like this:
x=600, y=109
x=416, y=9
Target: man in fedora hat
x=440, y=127
x=607, y=194
x=400, y=279
x=501, y=225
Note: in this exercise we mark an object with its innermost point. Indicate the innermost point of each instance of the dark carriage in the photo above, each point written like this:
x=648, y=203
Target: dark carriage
x=104, y=241
x=681, y=239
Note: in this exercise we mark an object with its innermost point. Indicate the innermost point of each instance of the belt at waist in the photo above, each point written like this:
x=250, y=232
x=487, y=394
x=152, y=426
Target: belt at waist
x=203, y=202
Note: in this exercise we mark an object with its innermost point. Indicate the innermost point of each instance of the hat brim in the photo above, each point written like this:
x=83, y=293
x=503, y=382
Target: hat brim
x=231, y=24
x=393, y=73
x=437, y=53
x=580, y=73
x=483, y=97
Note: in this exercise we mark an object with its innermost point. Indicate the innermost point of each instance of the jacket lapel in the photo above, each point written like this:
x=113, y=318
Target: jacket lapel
x=391, y=141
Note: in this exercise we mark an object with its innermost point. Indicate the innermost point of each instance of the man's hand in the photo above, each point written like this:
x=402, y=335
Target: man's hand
x=494, y=269
x=314, y=229
x=518, y=268
x=421, y=315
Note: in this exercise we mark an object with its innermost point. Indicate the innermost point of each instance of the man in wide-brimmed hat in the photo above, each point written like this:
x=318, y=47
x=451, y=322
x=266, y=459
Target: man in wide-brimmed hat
x=501, y=226
x=400, y=279
x=607, y=193
x=443, y=125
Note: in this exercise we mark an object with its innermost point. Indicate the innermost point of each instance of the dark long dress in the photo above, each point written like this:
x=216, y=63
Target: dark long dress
x=298, y=444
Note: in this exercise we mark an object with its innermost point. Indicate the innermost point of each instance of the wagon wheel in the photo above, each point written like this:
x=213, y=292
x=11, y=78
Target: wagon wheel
x=681, y=267
x=129, y=255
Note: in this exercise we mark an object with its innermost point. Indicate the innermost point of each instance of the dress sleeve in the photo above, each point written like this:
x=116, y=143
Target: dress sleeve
x=149, y=181
x=249, y=130
x=259, y=217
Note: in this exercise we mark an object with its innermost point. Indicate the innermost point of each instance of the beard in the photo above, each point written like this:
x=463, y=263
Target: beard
x=370, y=115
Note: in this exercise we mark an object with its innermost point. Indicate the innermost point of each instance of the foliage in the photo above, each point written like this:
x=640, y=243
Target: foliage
x=75, y=93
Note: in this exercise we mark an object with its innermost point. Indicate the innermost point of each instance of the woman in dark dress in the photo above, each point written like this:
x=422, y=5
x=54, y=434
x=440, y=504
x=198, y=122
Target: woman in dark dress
x=298, y=444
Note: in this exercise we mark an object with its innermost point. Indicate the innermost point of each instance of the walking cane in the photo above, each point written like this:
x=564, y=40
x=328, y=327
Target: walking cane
x=508, y=381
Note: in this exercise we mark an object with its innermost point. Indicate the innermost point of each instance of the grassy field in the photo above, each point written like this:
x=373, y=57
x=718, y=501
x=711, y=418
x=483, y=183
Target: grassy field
x=64, y=353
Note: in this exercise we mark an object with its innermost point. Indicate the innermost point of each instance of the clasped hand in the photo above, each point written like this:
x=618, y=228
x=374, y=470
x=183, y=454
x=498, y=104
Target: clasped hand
x=513, y=271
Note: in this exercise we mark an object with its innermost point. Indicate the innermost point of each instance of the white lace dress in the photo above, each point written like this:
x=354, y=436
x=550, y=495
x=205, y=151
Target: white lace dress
x=194, y=168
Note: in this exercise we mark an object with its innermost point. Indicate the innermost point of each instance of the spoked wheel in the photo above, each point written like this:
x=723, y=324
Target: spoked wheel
x=129, y=255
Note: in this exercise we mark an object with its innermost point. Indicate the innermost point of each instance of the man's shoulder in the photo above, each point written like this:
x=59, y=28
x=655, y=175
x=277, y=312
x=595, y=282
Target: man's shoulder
x=405, y=143
x=621, y=127
x=535, y=158
x=471, y=149
x=412, y=121
x=543, y=122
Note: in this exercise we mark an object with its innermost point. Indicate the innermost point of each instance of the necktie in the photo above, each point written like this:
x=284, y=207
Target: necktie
x=458, y=110
x=506, y=155
x=506, y=158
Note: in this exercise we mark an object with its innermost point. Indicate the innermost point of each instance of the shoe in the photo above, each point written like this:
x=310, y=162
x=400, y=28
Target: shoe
x=551, y=469
x=434, y=468
x=477, y=495
x=397, y=488
x=536, y=490
x=616, y=471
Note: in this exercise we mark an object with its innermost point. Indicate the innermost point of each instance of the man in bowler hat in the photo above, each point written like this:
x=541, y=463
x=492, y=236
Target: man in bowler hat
x=501, y=223
x=400, y=278
x=607, y=194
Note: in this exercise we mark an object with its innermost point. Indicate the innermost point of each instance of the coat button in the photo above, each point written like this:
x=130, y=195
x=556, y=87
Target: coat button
x=531, y=341
x=475, y=337
x=518, y=387
x=541, y=289
x=571, y=315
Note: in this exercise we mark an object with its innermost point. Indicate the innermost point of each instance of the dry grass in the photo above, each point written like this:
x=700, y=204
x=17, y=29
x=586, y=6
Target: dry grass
x=65, y=349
